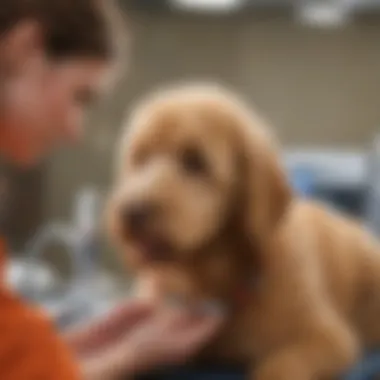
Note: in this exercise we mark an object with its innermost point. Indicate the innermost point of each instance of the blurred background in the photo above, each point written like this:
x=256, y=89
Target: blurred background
x=311, y=67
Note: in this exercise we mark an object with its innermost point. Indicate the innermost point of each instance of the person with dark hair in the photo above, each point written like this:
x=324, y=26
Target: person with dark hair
x=54, y=56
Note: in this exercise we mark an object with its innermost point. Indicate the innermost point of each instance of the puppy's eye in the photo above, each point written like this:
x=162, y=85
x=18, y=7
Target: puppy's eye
x=193, y=161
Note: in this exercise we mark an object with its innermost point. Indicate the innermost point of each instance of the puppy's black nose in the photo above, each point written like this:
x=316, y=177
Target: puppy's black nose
x=137, y=216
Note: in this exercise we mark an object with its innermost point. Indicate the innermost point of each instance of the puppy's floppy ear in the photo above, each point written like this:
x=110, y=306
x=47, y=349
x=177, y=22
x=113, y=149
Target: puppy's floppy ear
x=266, y=191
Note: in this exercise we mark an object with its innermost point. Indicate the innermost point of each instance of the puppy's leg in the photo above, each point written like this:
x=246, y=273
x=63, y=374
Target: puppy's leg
x=324, y=353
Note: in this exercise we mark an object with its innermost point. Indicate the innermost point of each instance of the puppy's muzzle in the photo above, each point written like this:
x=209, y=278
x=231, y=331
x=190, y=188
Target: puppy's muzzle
x=138, y=217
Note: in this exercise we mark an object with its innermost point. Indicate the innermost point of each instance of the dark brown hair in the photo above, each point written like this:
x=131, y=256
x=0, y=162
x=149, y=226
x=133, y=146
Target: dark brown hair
x=70, y=27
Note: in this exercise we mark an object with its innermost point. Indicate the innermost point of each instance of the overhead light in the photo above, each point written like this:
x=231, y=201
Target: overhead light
x=324, y=14
x=207, y=5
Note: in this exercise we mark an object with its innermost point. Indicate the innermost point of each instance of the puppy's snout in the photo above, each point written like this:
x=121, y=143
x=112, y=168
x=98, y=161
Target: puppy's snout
x=138, y=216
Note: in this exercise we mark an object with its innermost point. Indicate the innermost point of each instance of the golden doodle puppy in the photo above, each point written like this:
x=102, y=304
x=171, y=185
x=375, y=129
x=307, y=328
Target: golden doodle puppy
x=202, y=210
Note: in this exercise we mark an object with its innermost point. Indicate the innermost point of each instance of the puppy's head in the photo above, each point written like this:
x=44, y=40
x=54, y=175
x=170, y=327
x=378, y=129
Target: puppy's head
x=191, y=161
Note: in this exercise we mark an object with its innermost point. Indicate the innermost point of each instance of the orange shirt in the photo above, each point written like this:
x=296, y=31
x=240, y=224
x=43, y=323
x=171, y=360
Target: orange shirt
x=30, y=347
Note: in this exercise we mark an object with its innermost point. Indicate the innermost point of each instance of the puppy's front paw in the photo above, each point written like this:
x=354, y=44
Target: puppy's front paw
x=283, y=366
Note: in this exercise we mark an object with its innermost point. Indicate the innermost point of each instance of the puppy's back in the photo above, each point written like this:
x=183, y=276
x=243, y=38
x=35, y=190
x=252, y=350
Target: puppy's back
x=348, y=257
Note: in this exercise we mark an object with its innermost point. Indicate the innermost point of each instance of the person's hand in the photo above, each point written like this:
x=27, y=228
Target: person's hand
x=96, y=336
x=170, y=337
x=160, y=337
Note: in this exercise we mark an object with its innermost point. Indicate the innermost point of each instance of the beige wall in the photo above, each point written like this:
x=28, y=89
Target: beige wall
x=316, y=87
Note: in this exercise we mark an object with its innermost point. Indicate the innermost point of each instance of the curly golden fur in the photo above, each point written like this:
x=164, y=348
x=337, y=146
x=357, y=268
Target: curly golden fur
x=202, y=209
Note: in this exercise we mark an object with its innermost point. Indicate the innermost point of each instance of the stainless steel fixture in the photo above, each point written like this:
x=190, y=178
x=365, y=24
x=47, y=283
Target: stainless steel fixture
x=89, y=291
